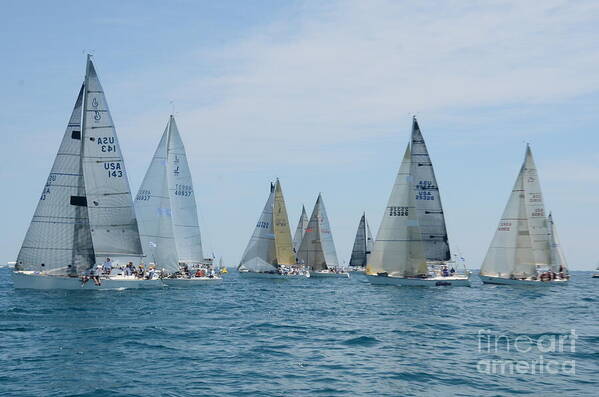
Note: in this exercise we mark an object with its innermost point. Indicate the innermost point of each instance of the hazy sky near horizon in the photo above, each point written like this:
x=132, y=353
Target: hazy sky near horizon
x=319, y=94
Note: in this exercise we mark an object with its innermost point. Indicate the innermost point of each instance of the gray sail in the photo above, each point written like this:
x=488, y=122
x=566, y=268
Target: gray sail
x=154, y=213
x=183, y=201
x=260, y=253
x=301, y=229
x=109, y=203
x=318, y=248
x=59, y=235
x=360, y=250
x=428, y=201
x=557, y=258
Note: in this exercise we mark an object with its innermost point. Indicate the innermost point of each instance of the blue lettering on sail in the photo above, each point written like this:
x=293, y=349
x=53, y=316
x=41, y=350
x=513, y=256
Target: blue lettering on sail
x=114, y=169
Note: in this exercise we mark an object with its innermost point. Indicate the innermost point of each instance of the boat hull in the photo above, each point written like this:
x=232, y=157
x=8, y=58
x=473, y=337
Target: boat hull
x=508, y=281
x=596, y=275
x=271, y=275
x=190, y=282
x=452, y=281
x=328, y=274
x=30, y=280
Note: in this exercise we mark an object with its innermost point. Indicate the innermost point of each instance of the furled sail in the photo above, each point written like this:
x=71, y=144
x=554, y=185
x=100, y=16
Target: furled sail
x=260, y=254
x=511, y=251
x=283, y=244
x=59, y=235
x=318, y=248
x=428, y=201
x=362, y=244
x=301, y=229
x=398, y=248
x=153, y=208
x=557, y=258
x=110, y=207
x=535, y=209
x=183, y=202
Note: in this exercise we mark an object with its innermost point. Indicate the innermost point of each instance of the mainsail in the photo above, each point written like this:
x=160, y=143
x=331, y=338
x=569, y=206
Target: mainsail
x=362, y=244
x=283, y=244
x=153, y=208
x=557, y=258
x=59, y=235
x=511, y=248
x=318, y=248
x=260, y=253
x=428, y=201
x=301, y=229
x=110, y=207
x=183, y=201
x=398, y=248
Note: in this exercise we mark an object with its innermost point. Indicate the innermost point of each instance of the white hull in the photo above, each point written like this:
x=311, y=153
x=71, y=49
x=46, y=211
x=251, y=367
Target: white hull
x=508, y=281
x=31, y=280
x=452, y=281
x=271, y=275
x=325, y=273
x=190, y=282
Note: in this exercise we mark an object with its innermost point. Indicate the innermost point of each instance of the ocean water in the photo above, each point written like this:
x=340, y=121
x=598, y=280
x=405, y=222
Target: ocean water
x=301, y=337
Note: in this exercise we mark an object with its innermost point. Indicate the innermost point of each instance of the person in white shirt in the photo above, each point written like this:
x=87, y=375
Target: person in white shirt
x=107, y=266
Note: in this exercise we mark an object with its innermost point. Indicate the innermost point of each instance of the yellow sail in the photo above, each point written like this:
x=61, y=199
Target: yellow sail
x=283, y=244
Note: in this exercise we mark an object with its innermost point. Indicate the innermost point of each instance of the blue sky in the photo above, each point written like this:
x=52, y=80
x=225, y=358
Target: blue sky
x=319, y=94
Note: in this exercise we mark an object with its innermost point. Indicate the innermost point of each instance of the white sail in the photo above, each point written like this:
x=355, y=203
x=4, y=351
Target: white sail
x=154, y=213
x=300, y=230
x=511, y=251
x=110, y=207
x=59, y=235
x=535, y=209
x=557, y=258
x=318, y=248
x=183, y=201
x=260, y=253
x=428, y=201
x=398, y=248
x=362, y=244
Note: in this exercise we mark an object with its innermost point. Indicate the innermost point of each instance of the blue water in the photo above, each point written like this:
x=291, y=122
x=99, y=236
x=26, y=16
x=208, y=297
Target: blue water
x=298, y=337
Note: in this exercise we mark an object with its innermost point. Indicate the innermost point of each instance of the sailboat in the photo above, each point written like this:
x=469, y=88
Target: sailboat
x=85, y=212
x=300, y=230
x=411, y=246
x=525, y=248
x=269, y=252
x=317, y=249
x=363, y=245
x=168, y=215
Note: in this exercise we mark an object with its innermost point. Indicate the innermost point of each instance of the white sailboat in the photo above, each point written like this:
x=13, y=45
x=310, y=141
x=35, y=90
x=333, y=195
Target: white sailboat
x=269, y=253
x=411, y=247
x=300, y=230
x=168, y=215
x=317, y=249
x=363, y=245
x=525, y=248
x=85, y=213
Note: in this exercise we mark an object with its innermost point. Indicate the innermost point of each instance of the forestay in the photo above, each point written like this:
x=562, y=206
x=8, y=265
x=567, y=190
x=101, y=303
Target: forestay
x=110, y=207
x=59, y=235
x=185, y=213
x=260, y=255
x=398, y=248
x=153, y=208
x=428, y=201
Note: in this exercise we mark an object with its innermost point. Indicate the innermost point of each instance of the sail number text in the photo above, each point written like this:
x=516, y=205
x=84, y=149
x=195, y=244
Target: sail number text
x=424, y=192
x=107, y=143
x=263, y=225
x=114, y=170
x=398, y=211
x=504, y=226
x=183, y=190
x=143, y=195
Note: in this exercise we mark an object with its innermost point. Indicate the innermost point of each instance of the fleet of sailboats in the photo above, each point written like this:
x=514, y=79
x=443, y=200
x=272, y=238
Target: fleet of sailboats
x=86, y=215
x=525, y=248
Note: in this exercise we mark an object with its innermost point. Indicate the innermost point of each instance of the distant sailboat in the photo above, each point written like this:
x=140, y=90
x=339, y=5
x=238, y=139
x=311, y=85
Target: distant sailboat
x=300, y=230
x=168, y=215
x=269, y=252
x=363, y=245
x=525, y=248
x=85, y=212
x=411, y=247
x=317, y=249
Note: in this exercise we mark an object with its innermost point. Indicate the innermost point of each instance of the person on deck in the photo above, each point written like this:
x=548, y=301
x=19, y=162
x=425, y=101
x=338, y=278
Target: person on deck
x=107, y=266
